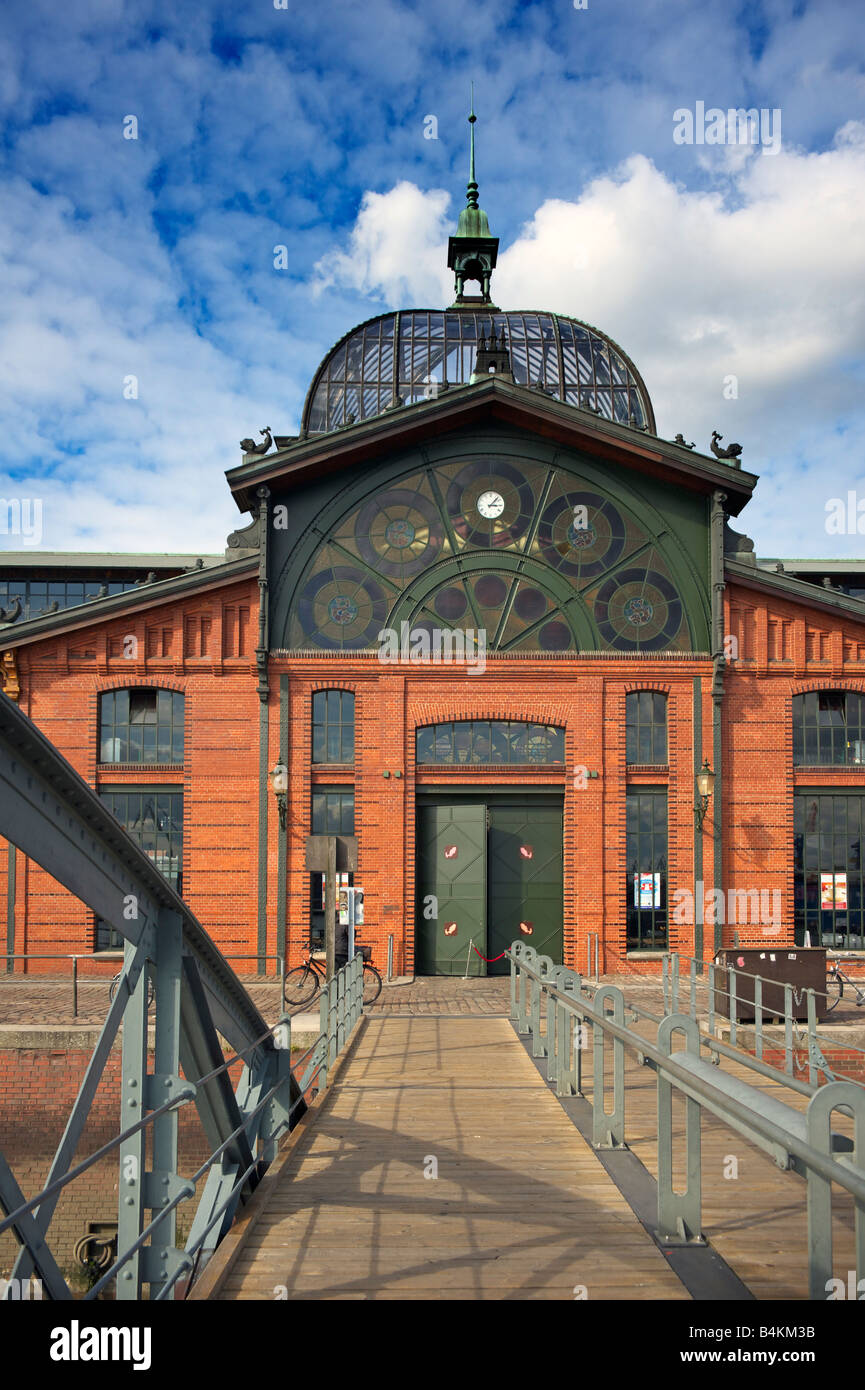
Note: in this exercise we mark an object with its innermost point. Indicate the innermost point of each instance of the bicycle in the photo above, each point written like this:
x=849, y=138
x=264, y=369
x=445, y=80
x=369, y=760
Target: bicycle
x=303, y=982
x=112, y=989
x=835, y=982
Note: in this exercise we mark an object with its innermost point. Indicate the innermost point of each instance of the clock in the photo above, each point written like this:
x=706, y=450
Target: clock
x=491, y=505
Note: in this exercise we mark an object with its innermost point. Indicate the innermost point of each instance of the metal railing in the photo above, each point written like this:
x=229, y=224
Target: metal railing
x=106, y=959
x=803, y=1143
x=724, y=981
x=341, y=1007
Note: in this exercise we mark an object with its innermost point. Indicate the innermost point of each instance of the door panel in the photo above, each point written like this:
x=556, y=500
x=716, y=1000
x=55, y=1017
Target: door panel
x=452, y=869
x=525, y=881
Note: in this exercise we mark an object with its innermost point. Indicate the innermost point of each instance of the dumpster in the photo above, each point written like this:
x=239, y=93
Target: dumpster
x=803, y=967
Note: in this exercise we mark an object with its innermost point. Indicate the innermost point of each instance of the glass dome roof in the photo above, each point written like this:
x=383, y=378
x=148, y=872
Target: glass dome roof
x=394, y=359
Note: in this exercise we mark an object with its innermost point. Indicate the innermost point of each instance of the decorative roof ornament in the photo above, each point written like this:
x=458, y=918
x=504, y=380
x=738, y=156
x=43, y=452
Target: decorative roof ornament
x=680, y=440
x=730, y=452
x=492, y=359
x=11, y=615
x=472, y=252
x=249, y=446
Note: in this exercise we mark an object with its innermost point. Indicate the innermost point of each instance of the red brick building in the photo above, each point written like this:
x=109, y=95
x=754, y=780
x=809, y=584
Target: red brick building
x=492, y=625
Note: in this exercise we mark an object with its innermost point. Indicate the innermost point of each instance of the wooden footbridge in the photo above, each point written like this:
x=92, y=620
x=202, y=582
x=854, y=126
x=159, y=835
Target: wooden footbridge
x=441, y=1163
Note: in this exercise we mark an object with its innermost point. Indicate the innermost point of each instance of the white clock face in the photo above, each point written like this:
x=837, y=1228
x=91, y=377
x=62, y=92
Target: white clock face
x=491, y=505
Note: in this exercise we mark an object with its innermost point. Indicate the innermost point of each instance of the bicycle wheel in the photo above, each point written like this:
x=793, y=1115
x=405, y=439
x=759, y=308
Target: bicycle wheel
x=301, y=985
x=834, y=991
x=371, y=984
x=112, y=989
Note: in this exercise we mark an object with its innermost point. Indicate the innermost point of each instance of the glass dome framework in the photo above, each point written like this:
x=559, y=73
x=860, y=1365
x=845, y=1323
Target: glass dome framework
x=411, y=356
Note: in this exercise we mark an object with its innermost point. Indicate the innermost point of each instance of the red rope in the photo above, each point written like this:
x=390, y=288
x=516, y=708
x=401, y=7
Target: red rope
x=488, y=959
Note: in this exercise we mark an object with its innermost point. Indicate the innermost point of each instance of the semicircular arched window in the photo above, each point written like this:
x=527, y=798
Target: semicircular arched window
x=333, y=726
x=828, y=728
x=646, y=726
x=141, y=726
x=490, y=741
x=526, y=555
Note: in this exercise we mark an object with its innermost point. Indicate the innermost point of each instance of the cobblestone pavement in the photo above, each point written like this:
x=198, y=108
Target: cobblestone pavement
x=446, y=994
x=47, y=1001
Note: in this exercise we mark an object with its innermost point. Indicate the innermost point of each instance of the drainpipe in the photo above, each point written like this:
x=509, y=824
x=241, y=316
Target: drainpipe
x=719, y=661
x=263, y=495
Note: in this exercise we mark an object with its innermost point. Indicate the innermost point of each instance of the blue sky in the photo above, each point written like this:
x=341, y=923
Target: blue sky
x=153, y=258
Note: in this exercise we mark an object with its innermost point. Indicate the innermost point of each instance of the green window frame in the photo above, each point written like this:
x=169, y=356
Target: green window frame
x=485, y=742
x=828, y=873
x=141, y=724
x=829, y=729
x=153, y=816
x=333, y=726
x=646, y=857
x=646, y=727
x=332, y=811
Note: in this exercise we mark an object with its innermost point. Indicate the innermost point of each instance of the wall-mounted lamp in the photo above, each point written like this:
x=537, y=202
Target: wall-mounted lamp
x=279, y=782
x=705, y=783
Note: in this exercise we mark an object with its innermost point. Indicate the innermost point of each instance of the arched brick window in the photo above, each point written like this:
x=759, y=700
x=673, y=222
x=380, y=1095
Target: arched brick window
x=828, y=728
x=333, y=726
x=141, y=726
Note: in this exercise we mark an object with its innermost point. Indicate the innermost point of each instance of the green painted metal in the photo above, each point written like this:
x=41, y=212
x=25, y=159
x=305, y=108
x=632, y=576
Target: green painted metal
x=679, y=1213
x=525, y=879
x=608, y=1129
x=675, y=519
x=11, y=874
x=263, y=797
x=133, y=1151
x=451, y=860
x=487, y=866
x=282, y=843
x=698, y=836
x=803, y=1143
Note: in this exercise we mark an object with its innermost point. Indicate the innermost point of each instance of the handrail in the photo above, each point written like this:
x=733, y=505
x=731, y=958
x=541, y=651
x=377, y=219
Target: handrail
x=811, y=1038
x=807, y=1146
x=107, y=958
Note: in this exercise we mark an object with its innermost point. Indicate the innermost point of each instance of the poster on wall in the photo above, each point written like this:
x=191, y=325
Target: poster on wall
x=647, y=890
x=833, y=892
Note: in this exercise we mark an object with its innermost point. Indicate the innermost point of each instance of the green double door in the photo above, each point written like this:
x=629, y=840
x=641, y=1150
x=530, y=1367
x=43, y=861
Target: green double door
x=489, y=872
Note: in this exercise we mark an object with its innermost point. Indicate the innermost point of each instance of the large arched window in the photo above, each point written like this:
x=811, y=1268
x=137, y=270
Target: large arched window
x=141, y=726
x=828, y=728
x=333, y=726
x=646, y=727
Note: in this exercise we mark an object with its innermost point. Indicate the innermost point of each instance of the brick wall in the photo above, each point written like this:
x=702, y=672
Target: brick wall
x=203, y=646
x=37, y=1091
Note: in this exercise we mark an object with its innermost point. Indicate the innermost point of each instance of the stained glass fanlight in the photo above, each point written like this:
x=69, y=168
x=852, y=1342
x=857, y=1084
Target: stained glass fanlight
x=520, y=551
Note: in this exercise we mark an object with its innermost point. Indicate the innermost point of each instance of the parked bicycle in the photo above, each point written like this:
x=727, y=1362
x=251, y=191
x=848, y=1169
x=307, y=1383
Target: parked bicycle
x=835, y=982
x=304, y=981
x=112, y=990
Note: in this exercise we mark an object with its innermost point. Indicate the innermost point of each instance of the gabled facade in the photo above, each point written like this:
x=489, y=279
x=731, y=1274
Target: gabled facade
x=493, y=626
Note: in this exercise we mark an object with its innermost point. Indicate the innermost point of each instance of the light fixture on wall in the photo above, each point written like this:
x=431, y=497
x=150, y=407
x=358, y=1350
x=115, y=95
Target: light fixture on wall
x=279, y=782
x=705, y=783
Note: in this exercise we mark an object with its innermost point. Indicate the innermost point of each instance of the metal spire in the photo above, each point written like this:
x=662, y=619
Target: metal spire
x=472, y=188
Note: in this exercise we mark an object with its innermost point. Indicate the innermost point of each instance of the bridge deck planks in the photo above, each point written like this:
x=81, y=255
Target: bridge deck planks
x=521, y=1207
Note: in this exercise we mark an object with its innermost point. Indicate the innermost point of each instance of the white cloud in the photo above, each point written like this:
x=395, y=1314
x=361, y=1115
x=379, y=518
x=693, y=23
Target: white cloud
x=395, y=249
x=761, y=278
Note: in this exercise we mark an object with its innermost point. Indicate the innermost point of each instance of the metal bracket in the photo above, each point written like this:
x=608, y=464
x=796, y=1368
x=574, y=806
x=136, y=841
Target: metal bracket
x=162, y=1086
x=161, y=1187
x=159, y=1263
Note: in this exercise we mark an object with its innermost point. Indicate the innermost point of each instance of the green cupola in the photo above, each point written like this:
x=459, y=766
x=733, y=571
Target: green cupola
x=472, y=252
